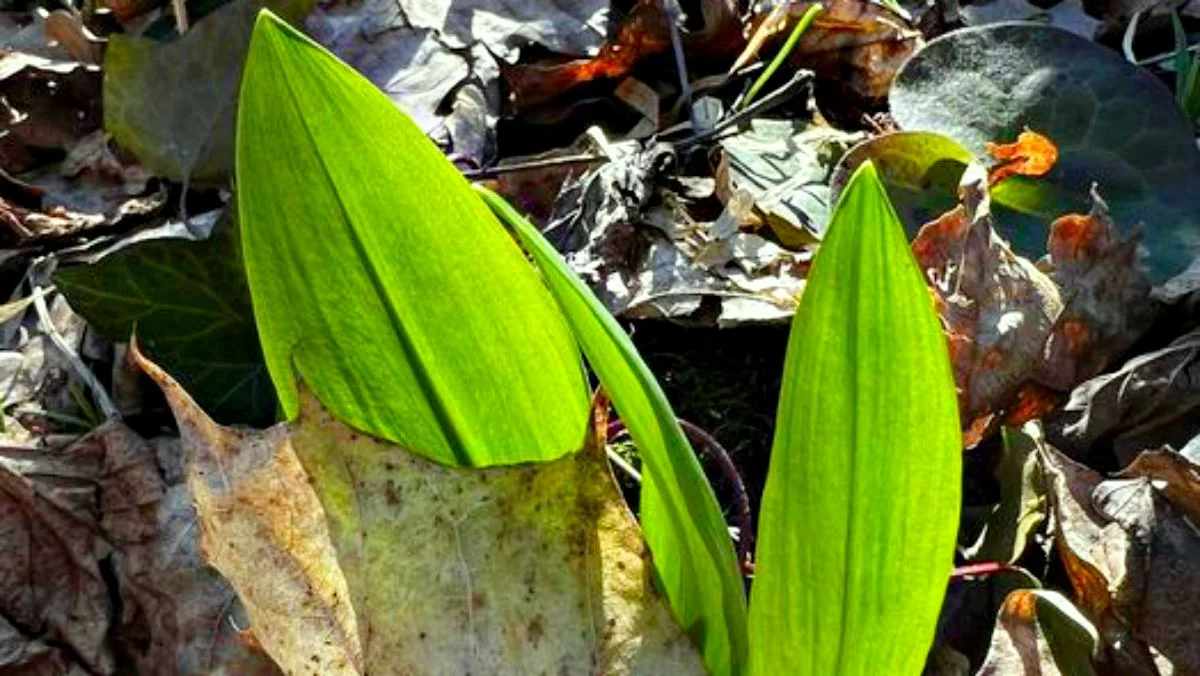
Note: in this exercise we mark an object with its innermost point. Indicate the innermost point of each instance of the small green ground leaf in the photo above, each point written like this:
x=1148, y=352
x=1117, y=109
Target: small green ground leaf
x=920, y=169
x=190, y=306
x=680, y=514
x=380, y=277
x=860, y=510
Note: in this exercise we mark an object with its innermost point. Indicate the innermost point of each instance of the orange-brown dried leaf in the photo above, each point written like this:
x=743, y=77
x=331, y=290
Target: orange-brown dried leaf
x=855, y=45
x=644, y=32
x=1033, y=401
x=1030, y=155
x=1106, y=297
x=996, y=307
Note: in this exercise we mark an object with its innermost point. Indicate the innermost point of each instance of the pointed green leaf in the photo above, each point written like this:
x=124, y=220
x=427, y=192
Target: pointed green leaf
x=860, y=510
x=383, y=280
x=680, y=514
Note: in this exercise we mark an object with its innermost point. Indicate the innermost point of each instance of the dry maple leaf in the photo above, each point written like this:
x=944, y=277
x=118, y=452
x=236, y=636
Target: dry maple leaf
x=353, y=555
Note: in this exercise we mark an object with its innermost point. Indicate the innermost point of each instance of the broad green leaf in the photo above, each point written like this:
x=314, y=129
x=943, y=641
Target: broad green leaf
x=173, y=104
x=860, y=510
x=1113, y=123
x=190, y=306
x=355, y=556
x=380, y=278
x=680, y=515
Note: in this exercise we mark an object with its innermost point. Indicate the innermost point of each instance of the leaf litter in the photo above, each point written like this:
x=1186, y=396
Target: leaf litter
x=672, y=207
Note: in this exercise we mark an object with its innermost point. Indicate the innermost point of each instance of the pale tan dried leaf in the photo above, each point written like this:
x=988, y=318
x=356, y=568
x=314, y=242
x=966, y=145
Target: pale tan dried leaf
x=508, y=570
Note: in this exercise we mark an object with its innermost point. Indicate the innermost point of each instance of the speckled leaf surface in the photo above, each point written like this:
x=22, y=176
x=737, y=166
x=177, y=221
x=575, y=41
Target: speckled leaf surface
x=420, y=568
x=1113, y=123
x=694, y=559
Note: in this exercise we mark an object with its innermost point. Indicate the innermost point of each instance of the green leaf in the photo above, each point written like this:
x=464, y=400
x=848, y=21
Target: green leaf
x=190, y=306
x=920, y=169
x=680, y=515
x=1113, y=123
x=860, y=510
x=383, y=280
x=172, y=104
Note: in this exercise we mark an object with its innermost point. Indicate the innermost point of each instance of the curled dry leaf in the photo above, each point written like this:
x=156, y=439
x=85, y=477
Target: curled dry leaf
x=1152, y=399
x=507, y=570
x=1022, y=335
x=1039, y=633
x=1105, y=293
x=1030, y=155
x=629, y=232
x=1133, y=558
x=1176, y=476
x=998, y=308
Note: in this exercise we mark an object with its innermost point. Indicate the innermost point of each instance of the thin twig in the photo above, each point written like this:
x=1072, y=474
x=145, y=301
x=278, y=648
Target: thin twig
x=798, y=83
x=671, y=11
x=181, y=15
x=741, y=499
x=623, y=464
x=491, y=172
x=800, y=79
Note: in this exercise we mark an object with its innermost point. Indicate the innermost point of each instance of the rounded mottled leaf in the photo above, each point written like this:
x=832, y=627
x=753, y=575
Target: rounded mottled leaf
x=1113, y=123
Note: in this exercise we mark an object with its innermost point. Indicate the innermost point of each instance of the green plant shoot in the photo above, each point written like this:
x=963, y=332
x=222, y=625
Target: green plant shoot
x=860, y=509
x=381, y=279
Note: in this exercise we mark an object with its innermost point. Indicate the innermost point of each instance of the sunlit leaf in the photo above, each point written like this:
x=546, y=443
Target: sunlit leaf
x=1113, y=123
x=680, y=515
x=354, y=556
x=860, y=509
x=383, y=280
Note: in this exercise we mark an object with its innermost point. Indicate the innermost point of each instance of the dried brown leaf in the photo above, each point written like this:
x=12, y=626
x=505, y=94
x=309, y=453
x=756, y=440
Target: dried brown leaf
x=1134, y=561
x=1030, y=155
x=106, y=503
x=644, y=32
x=508, y=570
x=998, y=308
